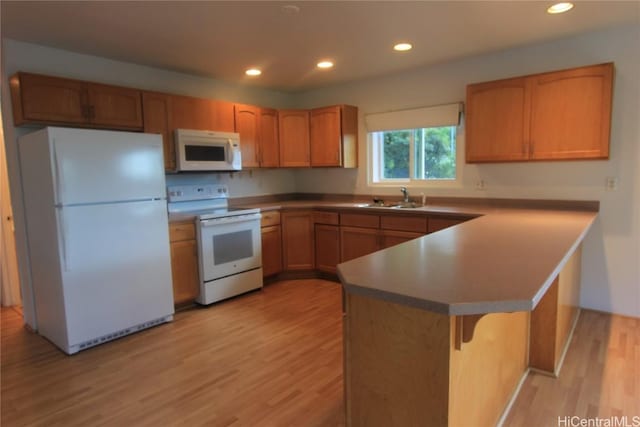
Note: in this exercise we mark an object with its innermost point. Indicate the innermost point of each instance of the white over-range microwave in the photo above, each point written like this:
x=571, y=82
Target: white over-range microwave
x=202, y=150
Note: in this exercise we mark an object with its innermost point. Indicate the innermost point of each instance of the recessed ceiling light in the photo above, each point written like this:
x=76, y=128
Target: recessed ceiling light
x=253, y=72
x=325, y=64
x=402, y=47
x=560, y=8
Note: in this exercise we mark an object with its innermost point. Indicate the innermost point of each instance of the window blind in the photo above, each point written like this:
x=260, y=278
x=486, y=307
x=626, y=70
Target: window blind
x=436, y=116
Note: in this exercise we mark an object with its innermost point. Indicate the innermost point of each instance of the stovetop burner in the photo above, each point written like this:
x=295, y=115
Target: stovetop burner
x=209, y=200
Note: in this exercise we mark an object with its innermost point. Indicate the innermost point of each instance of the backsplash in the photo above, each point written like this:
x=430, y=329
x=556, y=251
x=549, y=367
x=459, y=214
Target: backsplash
x=248, y=182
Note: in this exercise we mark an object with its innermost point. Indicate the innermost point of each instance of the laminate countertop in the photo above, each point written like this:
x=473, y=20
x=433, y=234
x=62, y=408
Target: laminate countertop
x=502, y=261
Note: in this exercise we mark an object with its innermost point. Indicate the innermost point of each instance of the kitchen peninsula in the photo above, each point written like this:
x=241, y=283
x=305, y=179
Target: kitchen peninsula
x=441, y=330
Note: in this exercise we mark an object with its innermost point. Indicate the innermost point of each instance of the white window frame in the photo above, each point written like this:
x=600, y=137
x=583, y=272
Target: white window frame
x=374, y=178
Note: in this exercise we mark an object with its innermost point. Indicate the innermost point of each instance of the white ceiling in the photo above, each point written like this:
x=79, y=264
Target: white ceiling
x=220, y=39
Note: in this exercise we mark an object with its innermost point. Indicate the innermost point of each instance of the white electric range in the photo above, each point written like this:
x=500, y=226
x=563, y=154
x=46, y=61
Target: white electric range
x=229, y=240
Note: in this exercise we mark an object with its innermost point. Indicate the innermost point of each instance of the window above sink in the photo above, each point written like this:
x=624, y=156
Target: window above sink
x=425, y=152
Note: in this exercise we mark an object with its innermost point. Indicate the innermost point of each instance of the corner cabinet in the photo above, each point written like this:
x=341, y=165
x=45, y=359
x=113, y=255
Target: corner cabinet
x=550, y=116
x=43, y=100
x=333, y=136
x=298, y=240
x=294, y=138
x=184, y=262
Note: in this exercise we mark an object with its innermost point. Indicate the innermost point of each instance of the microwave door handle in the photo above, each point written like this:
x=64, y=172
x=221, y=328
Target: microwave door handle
x=231, y=153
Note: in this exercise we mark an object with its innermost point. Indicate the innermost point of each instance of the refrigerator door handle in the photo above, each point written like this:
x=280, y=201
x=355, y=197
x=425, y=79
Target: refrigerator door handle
x=58, y=174
x=64, y=237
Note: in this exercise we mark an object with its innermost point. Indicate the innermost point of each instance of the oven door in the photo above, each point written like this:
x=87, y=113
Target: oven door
x=229, y=245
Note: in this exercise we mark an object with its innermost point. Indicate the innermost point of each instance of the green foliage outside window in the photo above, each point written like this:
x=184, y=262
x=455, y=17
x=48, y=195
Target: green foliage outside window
x=434, y=153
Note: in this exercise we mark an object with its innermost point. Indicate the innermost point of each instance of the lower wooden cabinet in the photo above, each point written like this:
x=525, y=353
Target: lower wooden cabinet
x=271, y=250
x=327, y=247
x=298, y=240
x=184, y=262
x=390, y=238
x=358, y=241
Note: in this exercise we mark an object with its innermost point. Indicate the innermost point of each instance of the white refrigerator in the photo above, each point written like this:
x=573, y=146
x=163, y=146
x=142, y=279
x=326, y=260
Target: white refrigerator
x=97, y=233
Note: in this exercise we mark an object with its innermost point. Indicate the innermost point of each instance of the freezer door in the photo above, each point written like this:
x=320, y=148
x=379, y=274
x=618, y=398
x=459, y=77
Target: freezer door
x=96, y=166
x=116, y=267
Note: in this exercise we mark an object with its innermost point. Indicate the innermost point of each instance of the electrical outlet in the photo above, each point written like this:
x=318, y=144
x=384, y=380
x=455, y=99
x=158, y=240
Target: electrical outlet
x=481, y=185
x=611, y=183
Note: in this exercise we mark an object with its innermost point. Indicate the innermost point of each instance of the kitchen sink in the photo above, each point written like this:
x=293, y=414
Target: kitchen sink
x=400, y=205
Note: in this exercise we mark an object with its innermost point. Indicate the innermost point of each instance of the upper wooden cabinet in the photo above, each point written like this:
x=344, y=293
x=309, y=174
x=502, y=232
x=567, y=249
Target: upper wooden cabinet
x=247, y=124
x=41, y=99
x=269, y=138
x=333, y=136
x=550, y=116
x=156, y=111
x=201, y=114
x=294, y=138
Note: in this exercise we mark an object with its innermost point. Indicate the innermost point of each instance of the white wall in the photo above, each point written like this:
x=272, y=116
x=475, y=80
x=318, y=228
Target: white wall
x=612, y=250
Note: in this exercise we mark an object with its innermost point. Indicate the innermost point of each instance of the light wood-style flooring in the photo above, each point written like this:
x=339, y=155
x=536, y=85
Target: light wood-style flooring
x=270, y=358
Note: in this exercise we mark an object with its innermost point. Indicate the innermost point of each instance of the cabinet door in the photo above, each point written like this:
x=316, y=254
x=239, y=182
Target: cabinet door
x=325, y=136
x=46, y=99
x=390, y=238
x=222, y=118
x=184, y=271
x=436, y=224
x=271, y=250
x=247, y=119
x=156, y=108
x=269, y=139
x=114, y=107
x=327, y=247
x=294, y=138
x=497, y=121
x=297, y=240
x=356, y=242
x=201, y=114
x=571, y=113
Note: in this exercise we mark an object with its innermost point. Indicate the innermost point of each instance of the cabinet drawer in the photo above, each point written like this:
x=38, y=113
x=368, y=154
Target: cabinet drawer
x=270, y=218
x=330, y=218
x=360, y=220
x=182, y=231
x=417, y=224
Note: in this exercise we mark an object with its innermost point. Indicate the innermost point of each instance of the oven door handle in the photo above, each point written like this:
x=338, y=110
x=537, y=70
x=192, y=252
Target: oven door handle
x=230, y=220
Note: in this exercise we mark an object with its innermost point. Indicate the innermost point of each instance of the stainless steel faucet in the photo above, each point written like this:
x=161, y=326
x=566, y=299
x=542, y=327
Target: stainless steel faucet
x=404, y=191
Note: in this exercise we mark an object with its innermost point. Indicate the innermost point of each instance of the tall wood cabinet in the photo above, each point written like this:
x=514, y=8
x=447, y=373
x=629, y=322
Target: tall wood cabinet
x=550, y=116
x=294, y=138
x=184, y=262
x=333, y=136
x=39, y=99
